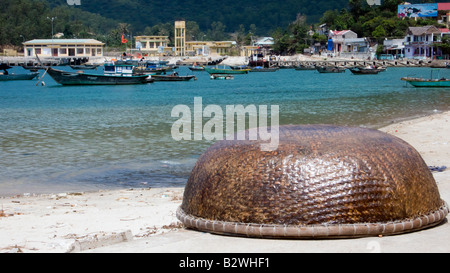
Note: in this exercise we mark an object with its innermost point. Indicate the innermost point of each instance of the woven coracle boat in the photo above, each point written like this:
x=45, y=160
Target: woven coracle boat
x=322, y=181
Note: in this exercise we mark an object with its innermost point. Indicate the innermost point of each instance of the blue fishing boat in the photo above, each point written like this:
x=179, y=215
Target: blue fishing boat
x=6, y=76
x=151, y=67
x=264, y=69
x=422, y=82
x=81, y=78
x=212, y=70
x=85, y=66
x=18, y=77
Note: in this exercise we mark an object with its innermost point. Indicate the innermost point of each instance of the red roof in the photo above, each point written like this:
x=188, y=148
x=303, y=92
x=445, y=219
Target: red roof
x=443, y=6
x=341, y=32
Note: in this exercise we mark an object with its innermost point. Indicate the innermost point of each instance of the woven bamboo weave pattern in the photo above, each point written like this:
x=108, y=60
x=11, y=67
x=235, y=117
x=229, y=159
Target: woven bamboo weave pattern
x=321, y=177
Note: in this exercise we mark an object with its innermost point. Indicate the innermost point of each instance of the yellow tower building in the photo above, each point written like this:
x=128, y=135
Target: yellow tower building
x=180, y=38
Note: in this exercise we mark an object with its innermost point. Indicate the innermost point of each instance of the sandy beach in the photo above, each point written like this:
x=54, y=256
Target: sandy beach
x=143, y=220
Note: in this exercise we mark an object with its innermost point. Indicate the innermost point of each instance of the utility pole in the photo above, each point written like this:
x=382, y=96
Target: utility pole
x=52, y=19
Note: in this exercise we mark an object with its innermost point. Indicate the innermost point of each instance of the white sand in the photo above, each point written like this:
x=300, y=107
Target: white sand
x=61, y=222
x=144, y=220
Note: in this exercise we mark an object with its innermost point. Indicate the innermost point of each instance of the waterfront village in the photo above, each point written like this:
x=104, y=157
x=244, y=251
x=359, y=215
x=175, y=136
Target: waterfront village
x=419, y=46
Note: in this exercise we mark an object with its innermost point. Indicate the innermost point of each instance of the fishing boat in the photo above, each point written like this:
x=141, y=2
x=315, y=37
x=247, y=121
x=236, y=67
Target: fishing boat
x=221, y=77
x=264, y=69
x=422, y=82
x=216, y=62
x=34, y=68
x=306, y=67
x=330, y=69
x=18, y=77
x=197, y=68
x=174, y=77
x=6, y=76
x=239, y=67
x=81, y=78
x=119, y=69
x=225, y=71
x=151, y=67
x=359, y=70
x=84, y=67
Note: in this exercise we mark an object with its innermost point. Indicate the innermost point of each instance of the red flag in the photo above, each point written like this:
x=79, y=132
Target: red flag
x=124, y=41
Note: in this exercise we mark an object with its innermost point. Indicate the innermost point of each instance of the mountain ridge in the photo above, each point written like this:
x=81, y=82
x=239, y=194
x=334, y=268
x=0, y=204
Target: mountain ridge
x=266, y=15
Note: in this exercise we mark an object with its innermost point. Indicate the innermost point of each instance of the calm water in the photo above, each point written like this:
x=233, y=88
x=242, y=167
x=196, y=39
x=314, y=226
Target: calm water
x=57, y=138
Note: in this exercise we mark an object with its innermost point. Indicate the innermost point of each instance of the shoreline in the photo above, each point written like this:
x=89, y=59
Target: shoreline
x=143, y=219
x=242, y=60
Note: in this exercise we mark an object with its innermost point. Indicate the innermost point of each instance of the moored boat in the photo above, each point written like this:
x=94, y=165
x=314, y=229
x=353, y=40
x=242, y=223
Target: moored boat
x=221, y=77
x=239, y=67
x=264, y=69
x=197, y=68
x=84, y=67
x=6, y=76
x=34, y=68
x=306, y=67
x=119, y=69
x=421, y=82
x=330, y=69
x=18, y=77
x=225, y=71
x=81, y=78
x=173, y=77
x=364, y=70
x=151, y=67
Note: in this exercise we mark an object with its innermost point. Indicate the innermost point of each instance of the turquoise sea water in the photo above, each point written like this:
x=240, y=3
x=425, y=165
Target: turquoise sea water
x=57, y=138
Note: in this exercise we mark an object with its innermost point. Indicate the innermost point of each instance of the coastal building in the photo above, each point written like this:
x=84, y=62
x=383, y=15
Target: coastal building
x=444, y=14
x=247, y=51
x=221, y=48
x=420, y=42
x=209, y=48
x=394, y=47
x=322, y=30
x=10, y=52
x=338, y=38
x=180, y=38
x=346, y=43
x=356, y=46
x=63, y=48
x=152, y=45
x=197, y=48
x=264, y=45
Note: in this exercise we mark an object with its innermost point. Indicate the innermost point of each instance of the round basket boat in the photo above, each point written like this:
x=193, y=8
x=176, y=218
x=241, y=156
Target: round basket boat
x=322, y=181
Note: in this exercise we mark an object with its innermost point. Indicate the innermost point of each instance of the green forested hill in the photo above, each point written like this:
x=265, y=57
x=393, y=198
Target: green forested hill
x=266, y=15
x=28, y=19
x=107, y=20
